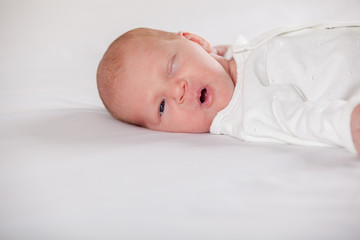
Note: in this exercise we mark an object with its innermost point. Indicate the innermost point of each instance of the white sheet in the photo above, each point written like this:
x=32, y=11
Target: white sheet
x=70, y=171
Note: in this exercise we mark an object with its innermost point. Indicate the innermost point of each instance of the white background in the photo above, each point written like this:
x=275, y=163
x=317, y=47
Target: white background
x=52, y=48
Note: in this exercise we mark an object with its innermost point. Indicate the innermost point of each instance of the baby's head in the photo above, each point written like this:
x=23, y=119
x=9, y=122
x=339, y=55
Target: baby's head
x=165, y=81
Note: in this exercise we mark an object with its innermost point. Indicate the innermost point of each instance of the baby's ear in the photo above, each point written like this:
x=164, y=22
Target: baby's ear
x=195, y=38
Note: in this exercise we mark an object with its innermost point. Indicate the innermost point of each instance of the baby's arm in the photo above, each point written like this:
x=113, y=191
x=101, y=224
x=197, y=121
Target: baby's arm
x=290, y=118
x=355, y=127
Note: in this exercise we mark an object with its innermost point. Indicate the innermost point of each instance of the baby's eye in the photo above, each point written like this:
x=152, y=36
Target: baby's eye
x=162, y=107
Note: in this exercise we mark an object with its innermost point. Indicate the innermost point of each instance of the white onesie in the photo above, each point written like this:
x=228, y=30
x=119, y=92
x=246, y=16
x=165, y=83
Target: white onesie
x=296, y=86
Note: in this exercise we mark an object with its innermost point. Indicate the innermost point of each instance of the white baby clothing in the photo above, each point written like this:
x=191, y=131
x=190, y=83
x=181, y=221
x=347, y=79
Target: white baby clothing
x=295, y=85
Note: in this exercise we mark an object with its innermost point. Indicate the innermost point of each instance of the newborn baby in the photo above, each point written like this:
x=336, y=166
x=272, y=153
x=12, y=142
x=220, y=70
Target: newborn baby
x=292, y=85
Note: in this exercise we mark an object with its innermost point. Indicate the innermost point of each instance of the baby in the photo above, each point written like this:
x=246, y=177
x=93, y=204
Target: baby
x=291, y=85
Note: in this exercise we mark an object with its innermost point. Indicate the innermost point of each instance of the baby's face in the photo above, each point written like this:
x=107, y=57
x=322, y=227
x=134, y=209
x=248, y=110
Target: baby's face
x=175, y=85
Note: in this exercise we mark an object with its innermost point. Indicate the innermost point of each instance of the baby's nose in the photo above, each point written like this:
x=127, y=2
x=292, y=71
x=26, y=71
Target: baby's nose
x=179, y=90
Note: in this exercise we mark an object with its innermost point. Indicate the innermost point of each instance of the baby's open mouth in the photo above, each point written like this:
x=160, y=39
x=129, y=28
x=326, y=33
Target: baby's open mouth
x=203, y=95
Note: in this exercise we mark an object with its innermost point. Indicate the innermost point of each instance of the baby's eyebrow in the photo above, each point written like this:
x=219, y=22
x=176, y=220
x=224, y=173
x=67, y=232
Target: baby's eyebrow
x=170, y=62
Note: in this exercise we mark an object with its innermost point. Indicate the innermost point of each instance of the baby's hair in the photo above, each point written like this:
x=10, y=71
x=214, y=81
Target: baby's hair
x=112, y=64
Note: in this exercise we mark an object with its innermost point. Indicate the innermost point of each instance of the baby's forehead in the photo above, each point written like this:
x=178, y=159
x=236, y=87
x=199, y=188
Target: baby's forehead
x=138, y=52
x=149, y=42
x=140, y=55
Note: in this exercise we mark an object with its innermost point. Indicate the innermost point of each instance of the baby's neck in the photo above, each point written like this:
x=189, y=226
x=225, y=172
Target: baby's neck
x=232, y=70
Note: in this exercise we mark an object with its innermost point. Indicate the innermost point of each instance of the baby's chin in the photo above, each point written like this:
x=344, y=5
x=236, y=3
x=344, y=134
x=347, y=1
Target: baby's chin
x=198, y=127
x=194, y=129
